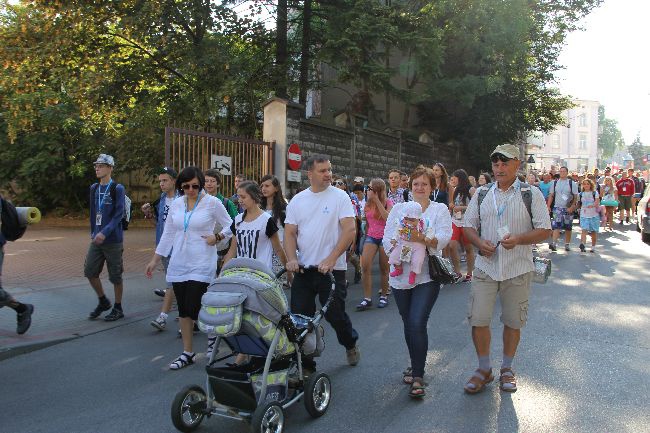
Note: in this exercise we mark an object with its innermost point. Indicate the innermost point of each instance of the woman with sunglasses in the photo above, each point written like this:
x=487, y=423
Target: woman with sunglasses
x=376, y=210
x=189, y=233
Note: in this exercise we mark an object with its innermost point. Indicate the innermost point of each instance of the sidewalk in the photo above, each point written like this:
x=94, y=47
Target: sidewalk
x=45, y=268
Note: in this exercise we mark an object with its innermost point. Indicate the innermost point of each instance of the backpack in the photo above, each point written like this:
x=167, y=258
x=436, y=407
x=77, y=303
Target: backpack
x=555, y=186
x=126, y=217
x=10, y=224
x=526, y=196
x=592, y=193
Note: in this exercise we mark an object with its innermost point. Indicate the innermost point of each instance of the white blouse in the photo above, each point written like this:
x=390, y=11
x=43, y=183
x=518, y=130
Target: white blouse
x=191, y=256
x=437, y=223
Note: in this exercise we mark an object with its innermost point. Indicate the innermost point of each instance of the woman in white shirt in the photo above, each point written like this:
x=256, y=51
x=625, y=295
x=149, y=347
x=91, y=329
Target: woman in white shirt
x=189, y=233
x=255, y=232
x=415, y=301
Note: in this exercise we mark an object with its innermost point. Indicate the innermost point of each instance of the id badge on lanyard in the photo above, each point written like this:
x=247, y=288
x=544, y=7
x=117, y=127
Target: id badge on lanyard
x=503, y=230
x=98, y=219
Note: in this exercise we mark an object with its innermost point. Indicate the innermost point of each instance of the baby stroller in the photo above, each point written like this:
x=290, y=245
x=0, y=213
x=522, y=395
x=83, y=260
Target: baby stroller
x=247, y=310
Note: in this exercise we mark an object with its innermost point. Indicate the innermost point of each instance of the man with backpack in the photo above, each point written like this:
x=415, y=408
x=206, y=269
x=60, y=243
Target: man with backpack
x=503, y=220
x=107, y=201
x=9, y=230
x=562, y=201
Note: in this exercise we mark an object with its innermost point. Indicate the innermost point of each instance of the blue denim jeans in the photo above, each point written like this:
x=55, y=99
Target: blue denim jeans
x=414, y=305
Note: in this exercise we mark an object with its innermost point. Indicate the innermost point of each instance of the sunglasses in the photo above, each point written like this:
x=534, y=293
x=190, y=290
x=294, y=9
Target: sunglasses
x=370, y=188
x=187, y=186
x=337, y=183
x=498, y=157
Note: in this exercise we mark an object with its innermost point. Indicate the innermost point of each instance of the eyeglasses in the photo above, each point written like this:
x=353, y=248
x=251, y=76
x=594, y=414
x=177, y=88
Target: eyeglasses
x=187, y=186
x=498, y=157
x=337, y=183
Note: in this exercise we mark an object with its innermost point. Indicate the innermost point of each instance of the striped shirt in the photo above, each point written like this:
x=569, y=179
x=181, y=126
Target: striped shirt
x=506, y=264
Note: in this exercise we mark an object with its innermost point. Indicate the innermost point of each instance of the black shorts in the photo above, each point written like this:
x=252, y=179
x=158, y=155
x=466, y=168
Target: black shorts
x=188, y=297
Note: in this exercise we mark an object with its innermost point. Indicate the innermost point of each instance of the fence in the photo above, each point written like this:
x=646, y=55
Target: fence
x=230, y=155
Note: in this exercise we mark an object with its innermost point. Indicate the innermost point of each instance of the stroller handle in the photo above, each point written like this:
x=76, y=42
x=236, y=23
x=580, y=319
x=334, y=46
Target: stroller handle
x=304, y=268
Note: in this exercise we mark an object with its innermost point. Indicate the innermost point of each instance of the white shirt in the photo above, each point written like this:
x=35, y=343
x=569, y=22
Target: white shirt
x=193, y=259
x=507, y=264
x=253, y=238
x=317, y=217
x=437, y=223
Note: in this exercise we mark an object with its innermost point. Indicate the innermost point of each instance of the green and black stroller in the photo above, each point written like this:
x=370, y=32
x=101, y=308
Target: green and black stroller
x=247, y=310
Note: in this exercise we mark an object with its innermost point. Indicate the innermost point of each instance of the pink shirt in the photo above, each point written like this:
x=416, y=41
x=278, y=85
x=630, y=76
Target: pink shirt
x=376, y=225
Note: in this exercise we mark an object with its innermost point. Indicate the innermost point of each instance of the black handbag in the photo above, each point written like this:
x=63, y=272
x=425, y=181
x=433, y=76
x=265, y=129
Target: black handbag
x=441, y=270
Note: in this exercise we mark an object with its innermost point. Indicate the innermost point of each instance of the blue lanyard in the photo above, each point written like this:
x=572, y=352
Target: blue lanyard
x=500, y=210
x=101, y=197
x=188, y=216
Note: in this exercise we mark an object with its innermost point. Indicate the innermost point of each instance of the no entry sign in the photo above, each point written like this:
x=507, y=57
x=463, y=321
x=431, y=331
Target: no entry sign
x=294, y=157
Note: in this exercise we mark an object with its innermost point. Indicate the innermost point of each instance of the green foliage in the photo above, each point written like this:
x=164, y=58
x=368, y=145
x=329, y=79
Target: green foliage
x=610, y=138
x=638, y=152
x=82, y=77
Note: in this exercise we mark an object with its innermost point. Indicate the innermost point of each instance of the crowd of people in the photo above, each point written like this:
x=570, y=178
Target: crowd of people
x=492, y=222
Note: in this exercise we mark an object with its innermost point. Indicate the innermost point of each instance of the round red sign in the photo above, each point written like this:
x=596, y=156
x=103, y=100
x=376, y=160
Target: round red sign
x=294, y=157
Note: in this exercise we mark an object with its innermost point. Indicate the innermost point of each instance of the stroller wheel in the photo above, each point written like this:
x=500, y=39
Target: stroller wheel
x=188, y=408
x=318, y=394
x=268, y=418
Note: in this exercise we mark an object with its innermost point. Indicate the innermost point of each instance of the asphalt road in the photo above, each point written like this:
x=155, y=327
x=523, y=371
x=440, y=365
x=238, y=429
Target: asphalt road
x=583, y=366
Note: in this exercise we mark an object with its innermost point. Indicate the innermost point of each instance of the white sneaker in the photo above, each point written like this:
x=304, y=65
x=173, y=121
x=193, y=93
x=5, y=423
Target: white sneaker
x=159, y=323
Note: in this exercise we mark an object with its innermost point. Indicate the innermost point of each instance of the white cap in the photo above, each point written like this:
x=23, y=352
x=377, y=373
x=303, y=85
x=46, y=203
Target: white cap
x=412, y=209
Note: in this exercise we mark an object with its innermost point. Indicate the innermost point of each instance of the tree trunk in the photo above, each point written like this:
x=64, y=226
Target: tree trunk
x=305, y=51
x=281, y=50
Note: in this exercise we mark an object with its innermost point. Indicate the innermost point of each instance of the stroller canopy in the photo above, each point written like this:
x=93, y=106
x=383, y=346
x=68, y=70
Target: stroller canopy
x=264, y=293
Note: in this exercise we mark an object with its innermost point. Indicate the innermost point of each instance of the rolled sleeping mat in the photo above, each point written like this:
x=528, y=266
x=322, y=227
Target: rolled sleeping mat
x=28, y=215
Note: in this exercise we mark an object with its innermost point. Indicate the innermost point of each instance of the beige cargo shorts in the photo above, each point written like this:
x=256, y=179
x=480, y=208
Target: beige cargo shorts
x=513, y=295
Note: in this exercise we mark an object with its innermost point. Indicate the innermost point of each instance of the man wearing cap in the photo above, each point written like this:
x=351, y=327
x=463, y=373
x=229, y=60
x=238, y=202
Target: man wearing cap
x=106, y=212
x=503, y=232
x=158, y=211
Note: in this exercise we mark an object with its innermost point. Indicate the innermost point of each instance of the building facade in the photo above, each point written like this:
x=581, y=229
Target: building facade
x=573, y=144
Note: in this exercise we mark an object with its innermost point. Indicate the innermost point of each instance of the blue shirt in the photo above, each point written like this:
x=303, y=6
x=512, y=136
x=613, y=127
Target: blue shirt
x=162, y=215
x=112, y=213
x=546, y=188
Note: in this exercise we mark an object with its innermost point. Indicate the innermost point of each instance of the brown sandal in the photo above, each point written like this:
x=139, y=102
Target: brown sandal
x=479, y=379
x=507, y=380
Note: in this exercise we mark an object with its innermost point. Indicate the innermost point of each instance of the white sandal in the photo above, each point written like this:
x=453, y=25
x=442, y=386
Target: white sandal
x=183, y=360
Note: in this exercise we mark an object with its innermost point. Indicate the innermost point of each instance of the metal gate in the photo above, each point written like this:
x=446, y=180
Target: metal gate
x=230, y=155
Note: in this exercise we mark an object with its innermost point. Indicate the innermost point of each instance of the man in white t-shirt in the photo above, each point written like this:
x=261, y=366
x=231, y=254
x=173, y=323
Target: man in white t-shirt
x=320, y=225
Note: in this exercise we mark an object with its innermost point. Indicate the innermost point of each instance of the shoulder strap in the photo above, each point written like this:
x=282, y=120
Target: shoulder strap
x=113, y=193
x=482, y=192
x=527, y=197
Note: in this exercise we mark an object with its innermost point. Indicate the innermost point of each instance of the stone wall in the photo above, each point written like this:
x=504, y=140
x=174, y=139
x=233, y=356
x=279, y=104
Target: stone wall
x=353, y=148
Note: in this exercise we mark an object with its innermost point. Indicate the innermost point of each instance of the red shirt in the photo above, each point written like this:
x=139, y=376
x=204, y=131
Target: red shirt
x=625, y=187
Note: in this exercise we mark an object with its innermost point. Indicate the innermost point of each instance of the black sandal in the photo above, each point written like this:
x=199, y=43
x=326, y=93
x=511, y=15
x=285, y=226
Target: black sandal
x=407, y=377
x=417, y=389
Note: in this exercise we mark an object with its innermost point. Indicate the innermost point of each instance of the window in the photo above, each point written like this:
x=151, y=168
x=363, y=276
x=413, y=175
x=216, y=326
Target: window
x=583, y=142
x=582, y=120
x=555, y=141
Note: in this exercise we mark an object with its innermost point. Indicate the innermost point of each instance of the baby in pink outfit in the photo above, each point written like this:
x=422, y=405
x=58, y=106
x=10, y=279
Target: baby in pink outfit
x=403, y=250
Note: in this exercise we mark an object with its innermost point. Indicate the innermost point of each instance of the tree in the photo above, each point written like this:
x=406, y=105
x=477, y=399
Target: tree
x=638, y=152
x=610, y=138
